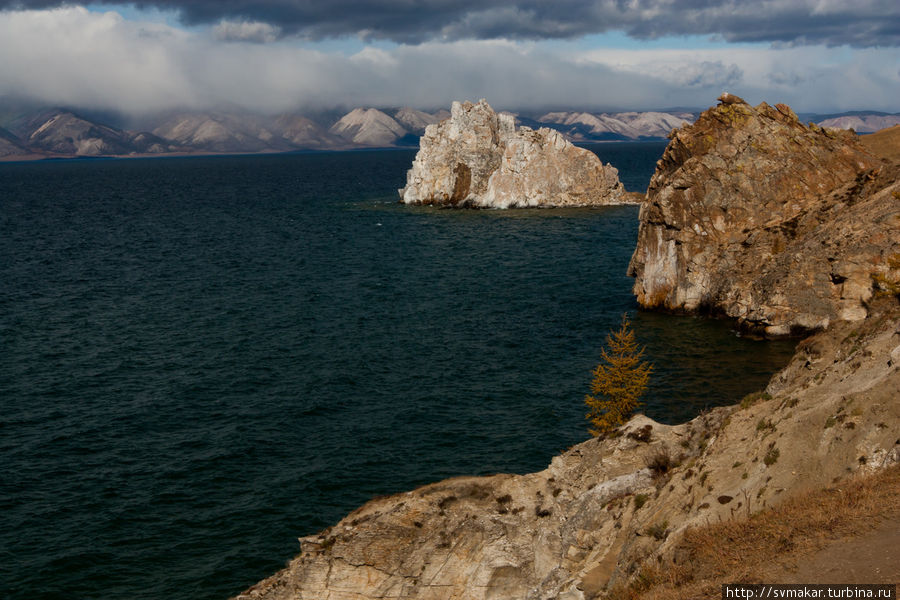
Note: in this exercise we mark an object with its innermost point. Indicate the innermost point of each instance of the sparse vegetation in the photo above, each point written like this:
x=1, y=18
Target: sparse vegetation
x=658, y=531
x=751, y=399
x=660, y=461
x=618, y=381
x=765, y=424
x=884, y=283
x=743, y=550
x=640, y=500
x=771, y=456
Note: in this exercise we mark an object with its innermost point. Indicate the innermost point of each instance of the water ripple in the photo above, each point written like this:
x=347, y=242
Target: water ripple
x=202, y=359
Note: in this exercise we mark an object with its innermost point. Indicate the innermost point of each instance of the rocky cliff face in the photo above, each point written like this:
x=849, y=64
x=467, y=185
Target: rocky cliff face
x=811, y=212
x=477, y=158
x=782, y=226
x=605, y=507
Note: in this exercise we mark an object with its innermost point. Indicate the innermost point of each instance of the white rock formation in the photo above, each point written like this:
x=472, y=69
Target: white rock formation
x=477, y=158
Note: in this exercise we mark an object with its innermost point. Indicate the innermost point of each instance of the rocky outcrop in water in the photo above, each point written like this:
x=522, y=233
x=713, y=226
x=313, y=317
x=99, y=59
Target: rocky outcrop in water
x=608, y=506
x=782, y=226
x=477, y=158
x=605, y=507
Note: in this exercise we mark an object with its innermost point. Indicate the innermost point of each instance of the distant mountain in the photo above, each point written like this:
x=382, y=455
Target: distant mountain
x=584, y=126
x=62, y=132
x=415, y=121
x=56, y=132
x=304, y=133
x=10, y=144
x=860, y=122
x=218, y=132
x=143, y=142
x=368, y=127
x=655, y=124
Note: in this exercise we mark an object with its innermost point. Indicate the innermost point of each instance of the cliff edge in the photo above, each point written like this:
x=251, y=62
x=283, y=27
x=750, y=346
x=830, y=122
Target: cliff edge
x=477, y=158
x=606, y=507
x=754, y=215
x=750, y=213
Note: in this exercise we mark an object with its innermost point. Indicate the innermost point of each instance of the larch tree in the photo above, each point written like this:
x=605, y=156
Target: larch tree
x=618, y=381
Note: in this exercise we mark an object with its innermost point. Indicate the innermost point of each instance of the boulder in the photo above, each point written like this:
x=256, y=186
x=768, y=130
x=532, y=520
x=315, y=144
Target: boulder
x=477, y=158
x=753, y=215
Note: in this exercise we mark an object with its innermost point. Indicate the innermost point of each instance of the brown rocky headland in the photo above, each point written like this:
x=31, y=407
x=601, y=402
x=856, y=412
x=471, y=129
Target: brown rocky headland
x=782, y=226
x=754, y=215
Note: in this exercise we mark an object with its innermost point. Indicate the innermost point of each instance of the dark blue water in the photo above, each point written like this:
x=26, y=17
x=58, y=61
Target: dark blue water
x=202, y=359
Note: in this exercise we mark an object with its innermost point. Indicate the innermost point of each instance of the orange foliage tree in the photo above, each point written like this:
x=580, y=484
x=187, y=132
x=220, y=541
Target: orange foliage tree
x=619, y=381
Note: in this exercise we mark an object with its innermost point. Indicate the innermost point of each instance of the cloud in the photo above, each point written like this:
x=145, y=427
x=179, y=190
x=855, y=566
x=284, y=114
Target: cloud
x=693, y=73
x=861, y=23
x=100, y=60
x=246, y=31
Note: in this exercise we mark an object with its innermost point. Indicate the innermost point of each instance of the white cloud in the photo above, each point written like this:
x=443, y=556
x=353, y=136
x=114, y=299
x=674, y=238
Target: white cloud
x=810, y=78
x=246, y=31
x=81, y=58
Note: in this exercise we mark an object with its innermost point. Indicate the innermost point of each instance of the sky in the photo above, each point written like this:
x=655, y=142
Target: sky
x=273, y=56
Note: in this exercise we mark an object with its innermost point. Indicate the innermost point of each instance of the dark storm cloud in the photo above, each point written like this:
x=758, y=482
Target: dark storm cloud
x=862, y=23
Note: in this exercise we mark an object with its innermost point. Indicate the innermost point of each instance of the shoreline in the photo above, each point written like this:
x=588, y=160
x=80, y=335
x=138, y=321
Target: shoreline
x=38, y=157
x=606, y=509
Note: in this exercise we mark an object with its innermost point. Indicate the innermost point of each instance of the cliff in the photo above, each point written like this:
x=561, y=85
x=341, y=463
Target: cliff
x=477, y=158
x=605, y=507
x=793, y=225
x=754, y=215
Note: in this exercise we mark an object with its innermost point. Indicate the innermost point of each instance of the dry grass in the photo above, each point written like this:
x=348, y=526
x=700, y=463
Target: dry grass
x=884, y=143
x=743, y=551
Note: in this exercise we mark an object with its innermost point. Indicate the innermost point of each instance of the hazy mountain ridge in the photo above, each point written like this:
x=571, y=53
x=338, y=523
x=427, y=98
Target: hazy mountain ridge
x=10, y=145
x=585, y=126
x=368, y=127
x=64, y=132
x=861, y=123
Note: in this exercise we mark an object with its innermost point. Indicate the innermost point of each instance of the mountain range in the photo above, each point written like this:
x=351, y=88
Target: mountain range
x=61, y=132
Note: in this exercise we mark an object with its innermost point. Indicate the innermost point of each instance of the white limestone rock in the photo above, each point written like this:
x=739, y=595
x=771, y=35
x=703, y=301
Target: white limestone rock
x=477, y=158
